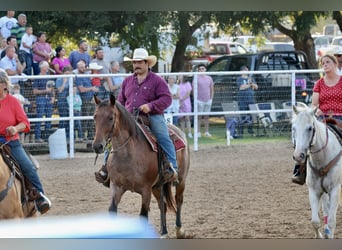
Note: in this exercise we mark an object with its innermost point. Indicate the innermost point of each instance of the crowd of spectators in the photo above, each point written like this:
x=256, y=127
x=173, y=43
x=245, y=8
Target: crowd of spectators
x=26, y=52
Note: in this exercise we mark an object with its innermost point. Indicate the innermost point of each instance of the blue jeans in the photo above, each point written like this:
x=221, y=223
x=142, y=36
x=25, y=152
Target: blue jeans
x=160, y=130
x=44, y=107
x=25, y=163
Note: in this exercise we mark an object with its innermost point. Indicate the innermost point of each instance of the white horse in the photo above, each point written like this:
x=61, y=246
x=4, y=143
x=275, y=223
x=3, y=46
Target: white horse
x=317, y=144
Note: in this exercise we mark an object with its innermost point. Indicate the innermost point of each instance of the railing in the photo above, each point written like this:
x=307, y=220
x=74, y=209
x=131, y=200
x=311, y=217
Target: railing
x=71, y=118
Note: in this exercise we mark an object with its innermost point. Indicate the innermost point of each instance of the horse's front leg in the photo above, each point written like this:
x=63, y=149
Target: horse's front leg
x=314, y=204
x=116, y=198
x=334, y=200
x=145, y=203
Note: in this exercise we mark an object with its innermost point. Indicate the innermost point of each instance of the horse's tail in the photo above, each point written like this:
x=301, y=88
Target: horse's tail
x=170, y=201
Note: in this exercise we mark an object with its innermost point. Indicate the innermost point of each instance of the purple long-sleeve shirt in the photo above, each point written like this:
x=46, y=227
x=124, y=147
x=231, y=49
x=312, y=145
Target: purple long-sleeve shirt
x=153, y=90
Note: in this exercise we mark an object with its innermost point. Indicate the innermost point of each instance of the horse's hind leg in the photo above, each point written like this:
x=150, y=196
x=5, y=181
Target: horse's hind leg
x=180, y=233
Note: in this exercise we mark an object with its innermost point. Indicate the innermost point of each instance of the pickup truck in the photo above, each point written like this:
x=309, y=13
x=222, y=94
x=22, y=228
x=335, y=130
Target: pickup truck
x=217, y=49
x=271, y=87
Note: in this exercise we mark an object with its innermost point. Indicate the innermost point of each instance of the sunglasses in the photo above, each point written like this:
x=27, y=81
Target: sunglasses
x=338, y=55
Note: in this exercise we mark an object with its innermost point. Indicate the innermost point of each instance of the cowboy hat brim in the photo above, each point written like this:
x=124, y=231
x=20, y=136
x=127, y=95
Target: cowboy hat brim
x=151, y=60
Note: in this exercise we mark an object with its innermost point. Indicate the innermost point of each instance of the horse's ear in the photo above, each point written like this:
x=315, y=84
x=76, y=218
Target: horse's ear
x=97, y=100
x=295, y=109
x=112, y=99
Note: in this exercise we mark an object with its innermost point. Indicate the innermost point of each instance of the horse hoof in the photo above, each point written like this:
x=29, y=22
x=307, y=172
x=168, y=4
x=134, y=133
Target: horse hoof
x=180, y=233
x=164, y=236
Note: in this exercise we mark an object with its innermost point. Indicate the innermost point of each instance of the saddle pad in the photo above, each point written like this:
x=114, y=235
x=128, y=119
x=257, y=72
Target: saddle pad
x=177, y=141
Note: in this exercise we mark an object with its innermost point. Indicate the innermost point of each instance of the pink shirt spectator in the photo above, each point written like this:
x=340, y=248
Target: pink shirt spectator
x=184, y=98
x=204, y=88
x=61, y=62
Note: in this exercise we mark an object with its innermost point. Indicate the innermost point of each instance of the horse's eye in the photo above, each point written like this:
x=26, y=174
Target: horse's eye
x=111, y=118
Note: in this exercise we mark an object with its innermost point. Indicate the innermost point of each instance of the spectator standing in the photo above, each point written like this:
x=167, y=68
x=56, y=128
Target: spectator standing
x=11, y=64
x=95, y=69
x=247, y=86
x=116, y=80
x=42, y=51
x=7, y=23
x=338, y=55
x=25, y=49
x=60, y=60
x=204, y=99
x=11, y=40
x=3, y=44
x=43, y=89
x=105, y=80
x=184, y=105
x=87, y=91
x=62, y=89
x=19, y=30
x=77, y=107
x=174, y=89
x=80, y=54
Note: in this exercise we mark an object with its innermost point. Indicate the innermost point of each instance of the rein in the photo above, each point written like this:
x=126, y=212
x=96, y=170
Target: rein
x=326, y=141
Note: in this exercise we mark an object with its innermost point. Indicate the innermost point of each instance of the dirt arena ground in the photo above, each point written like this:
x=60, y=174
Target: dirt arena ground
x=236, y=192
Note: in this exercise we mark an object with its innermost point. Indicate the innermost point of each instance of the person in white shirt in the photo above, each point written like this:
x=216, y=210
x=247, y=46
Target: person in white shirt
x=7, y=23
x=26, y=47
x=338, y=55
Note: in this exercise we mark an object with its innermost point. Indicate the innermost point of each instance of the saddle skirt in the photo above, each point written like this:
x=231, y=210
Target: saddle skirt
x=177, y=141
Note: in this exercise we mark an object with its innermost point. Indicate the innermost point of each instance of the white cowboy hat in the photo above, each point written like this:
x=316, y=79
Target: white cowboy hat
x=141, y=54
x=94, y=66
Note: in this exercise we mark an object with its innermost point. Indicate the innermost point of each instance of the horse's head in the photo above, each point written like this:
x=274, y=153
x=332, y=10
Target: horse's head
x=303, y=131
x=104, y=118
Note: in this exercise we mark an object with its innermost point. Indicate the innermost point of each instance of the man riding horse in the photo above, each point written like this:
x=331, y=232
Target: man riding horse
x=149, y=94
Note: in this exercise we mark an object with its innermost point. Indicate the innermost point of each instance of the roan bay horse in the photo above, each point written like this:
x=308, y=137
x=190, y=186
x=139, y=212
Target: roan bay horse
x=133, y=165
x=13, y=202
x=317, y=143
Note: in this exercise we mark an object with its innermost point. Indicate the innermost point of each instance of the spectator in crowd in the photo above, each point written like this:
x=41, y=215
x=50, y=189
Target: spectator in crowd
x=326, y=97
x=204, y=99
x=14, y=121
x=185, y=105
x=338, y=55
x=62, y=89
x=11, y=40
x=87, y=91
x=60, y=60
x=95, y=69
x=82, y=53
x=247, y=86
x=77, y=107
x=19, y=30
x=15, y=91
x=43, y=89
x=174, y=89
x=7, y=23
x=11, y=64
x=42, y=51
x=25, y=50
x=116, y=80
x=3, y=45
x=105, y=80
x=231, y=123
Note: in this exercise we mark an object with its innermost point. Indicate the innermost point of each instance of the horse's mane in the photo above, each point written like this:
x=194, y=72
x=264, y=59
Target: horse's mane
x=127, y=120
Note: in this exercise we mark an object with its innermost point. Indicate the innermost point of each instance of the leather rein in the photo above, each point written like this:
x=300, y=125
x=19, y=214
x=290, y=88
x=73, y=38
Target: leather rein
x=322, y=172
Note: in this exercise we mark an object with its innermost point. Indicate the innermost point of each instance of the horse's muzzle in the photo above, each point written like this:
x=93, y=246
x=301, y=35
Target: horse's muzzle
x=98, y=148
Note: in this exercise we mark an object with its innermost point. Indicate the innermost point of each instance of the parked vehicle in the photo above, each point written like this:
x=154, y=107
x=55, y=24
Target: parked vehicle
x=216, y=49
x=272, y=87
x=322, y=44
x=277, y=46
x=336, y=44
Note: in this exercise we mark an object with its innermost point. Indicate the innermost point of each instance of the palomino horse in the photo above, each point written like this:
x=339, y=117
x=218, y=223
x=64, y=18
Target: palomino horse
x=133, y=165
x=318, y=145
x=13, y=203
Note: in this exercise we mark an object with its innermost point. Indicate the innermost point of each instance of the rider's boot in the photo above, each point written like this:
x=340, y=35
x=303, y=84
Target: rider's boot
x=101, y=176
x=43, y=204
x=299, y=174
x=170, y=174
